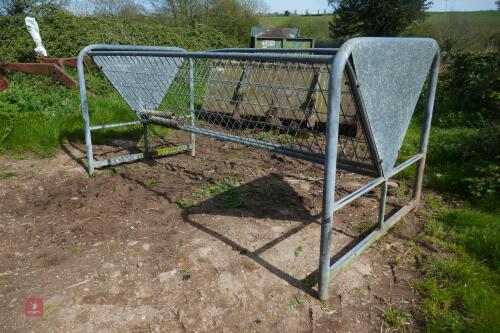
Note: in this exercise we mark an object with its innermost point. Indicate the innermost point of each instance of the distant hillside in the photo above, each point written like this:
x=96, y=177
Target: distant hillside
x=469, y=30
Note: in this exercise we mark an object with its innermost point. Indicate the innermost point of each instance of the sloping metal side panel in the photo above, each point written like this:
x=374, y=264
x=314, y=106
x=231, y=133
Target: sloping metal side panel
x=142, y=81
x=391, y=74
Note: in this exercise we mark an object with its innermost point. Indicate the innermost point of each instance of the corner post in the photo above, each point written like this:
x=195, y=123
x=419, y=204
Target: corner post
x=426, y=127
x=332, y=135
x=383, y=199
x=85, y=111
x=191, y=105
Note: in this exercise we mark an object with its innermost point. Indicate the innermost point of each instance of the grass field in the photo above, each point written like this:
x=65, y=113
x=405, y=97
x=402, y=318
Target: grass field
x=461, y=282
x=472, y=30
x=310, y=26
x=39, y=118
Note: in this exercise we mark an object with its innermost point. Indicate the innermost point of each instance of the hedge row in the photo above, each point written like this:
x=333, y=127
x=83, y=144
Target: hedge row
x=469, y=90
x=64, y=34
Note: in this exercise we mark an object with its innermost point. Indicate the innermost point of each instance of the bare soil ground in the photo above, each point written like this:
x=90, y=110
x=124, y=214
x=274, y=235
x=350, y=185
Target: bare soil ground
x=115, y=253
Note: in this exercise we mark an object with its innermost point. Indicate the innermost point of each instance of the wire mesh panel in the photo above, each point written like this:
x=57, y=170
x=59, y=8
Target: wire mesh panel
x=278, y=104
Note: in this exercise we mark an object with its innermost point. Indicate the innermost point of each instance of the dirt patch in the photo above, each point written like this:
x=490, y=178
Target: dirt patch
x=116, y=252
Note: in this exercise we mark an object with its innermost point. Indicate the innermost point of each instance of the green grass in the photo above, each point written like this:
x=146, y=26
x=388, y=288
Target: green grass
x=153, y=181
x=274, y=136
x=294, y=302
x=309, y=281
x=110, y=170
x=310, y=26
x=396, y=318
x=462, y=282
x=7, y=174
x=77, y=249
x=39, y=118
x=298, y=250
x=476, y=232
x=230, y=196
x=103, y=277
x=467, y=31
x=185, y=203
x=471, y=30
x=457, y=165
x=186, y=273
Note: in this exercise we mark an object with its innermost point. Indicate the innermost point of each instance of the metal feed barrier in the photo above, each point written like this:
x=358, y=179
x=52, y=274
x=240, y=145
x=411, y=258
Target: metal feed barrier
x=348, y=108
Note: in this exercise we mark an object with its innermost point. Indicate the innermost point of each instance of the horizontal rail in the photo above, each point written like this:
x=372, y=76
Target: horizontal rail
x=315, y=50
x=356, y=167
x=317, y=158
x=356, y=194
x=134, y=157
x=114, y=47
x=372, y=237
x=405, y=164
x=373, y=183
x=118, y=160
x=325, y=59
x=129, y=123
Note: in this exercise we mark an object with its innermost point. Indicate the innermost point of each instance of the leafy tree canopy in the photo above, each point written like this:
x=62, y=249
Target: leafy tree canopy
x=375, y=17
x=14, y=7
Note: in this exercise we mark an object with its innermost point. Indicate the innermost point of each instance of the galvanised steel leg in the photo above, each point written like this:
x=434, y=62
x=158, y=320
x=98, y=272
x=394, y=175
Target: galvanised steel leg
x=88, y=143
x=146, y=141
x=332, y=135
x=324, y=256
x=191, y=105
x=426, y=128
x=85, y=112
x=383, y=199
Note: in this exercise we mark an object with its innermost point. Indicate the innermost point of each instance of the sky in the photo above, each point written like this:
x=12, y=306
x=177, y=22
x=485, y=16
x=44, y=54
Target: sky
x=439, y=5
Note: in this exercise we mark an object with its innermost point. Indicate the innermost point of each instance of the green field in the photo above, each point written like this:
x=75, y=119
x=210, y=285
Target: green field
x=470, y=30
x=310, y=26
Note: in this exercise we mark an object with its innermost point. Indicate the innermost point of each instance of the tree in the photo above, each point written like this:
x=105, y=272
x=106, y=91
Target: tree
x=375, y=17
x=185, y=12
x=255, y=6
x=15, y=7
x=498, y=4
x=232, y=17
x=116, y=7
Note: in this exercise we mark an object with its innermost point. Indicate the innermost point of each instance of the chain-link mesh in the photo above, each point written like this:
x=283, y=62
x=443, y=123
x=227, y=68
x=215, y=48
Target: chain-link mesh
x=281, y=103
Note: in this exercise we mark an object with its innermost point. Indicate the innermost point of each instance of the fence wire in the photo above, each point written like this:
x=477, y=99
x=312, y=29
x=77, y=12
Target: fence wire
x=282, y=103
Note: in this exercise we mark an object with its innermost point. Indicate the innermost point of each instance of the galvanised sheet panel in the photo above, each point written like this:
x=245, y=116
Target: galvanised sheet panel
x=141, y=80
x=391, y=73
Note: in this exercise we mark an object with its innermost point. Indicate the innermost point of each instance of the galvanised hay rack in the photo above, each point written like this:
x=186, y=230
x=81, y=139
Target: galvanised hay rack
x=348, y=108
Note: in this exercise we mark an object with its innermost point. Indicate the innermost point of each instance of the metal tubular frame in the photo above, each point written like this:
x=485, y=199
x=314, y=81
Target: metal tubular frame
x=340, y=62
x=329, y=206
x=91, y=163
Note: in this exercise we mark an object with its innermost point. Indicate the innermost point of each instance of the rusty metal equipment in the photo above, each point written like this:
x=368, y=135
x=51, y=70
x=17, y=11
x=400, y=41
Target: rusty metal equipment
x=47, y=66
x=51, y=67
x=287, y=93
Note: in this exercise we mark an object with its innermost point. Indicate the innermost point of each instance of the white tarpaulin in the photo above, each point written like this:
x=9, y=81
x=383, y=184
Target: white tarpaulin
x=35, y=34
